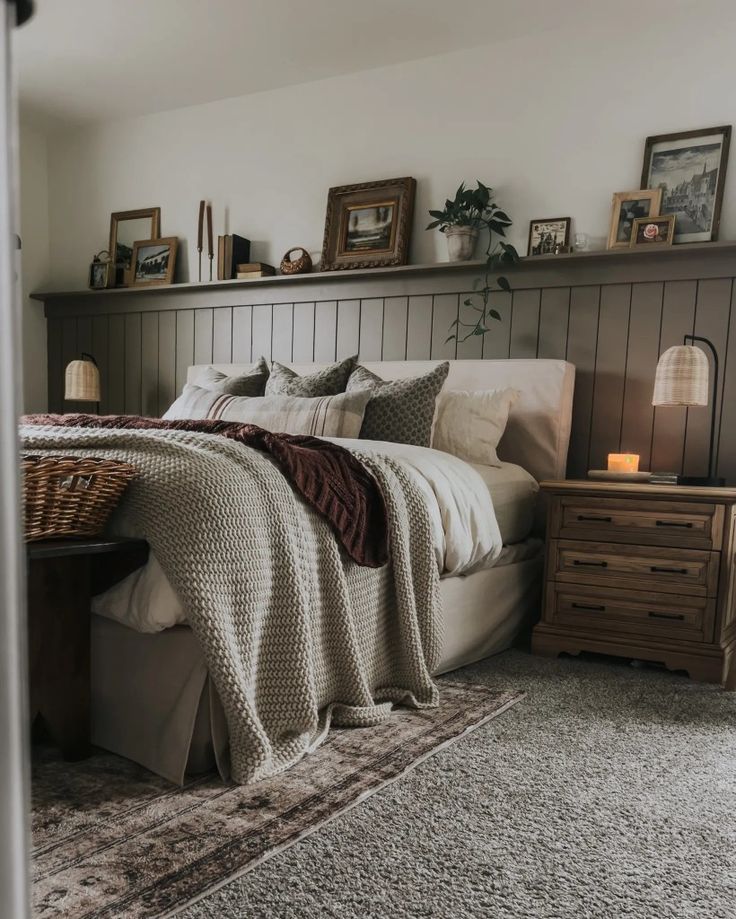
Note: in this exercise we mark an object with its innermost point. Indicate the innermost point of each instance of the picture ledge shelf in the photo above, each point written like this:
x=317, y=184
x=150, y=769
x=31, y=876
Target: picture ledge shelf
x=725, y=248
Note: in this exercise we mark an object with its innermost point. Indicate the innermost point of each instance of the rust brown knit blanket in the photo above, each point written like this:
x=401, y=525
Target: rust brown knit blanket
x=327, y=476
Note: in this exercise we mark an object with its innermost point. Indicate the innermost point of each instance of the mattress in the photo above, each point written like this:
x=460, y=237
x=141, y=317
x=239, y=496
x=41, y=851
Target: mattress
x=469, y=533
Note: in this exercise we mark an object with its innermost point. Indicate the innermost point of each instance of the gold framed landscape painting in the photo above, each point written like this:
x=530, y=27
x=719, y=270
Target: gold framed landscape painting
x=368, y=225
x=627, y=207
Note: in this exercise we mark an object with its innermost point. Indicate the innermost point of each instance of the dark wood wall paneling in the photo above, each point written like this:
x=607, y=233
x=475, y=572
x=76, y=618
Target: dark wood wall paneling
x=613, y=331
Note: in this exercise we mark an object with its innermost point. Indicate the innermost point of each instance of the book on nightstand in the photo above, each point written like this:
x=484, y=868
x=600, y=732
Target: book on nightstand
x=231, y=251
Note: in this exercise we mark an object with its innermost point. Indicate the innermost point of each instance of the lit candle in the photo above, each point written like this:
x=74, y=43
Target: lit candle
x=623, y=462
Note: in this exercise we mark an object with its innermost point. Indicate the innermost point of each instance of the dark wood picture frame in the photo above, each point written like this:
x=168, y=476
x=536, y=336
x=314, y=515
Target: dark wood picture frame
x=124, y=273
x=639, y=239
x=649, y=149
x=566, y=221
x=390, y=198
x=171, y=242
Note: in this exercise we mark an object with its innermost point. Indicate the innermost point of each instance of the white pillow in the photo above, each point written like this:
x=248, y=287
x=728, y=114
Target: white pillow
x=470, y=424
x=325, y=416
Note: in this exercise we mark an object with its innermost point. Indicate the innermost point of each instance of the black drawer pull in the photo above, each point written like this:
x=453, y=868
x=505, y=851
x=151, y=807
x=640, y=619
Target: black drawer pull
x=597, y=609
x=674, y=523
x=592, y=519
x=659, y=570
x=666, y=615
x=582, y=564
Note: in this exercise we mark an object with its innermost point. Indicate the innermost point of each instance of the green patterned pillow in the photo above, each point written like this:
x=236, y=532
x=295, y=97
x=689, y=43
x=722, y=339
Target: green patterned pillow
x=328, y=382
x=400, y=411
x=252, y=383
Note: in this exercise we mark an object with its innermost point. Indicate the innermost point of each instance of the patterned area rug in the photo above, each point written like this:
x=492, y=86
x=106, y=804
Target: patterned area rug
x=113, y=840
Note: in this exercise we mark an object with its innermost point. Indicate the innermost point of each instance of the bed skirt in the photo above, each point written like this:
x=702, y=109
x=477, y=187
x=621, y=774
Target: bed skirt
x=169, y=718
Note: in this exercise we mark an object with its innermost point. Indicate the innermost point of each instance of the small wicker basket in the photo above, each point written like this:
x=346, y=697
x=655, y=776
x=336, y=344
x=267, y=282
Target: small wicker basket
x=70, y=496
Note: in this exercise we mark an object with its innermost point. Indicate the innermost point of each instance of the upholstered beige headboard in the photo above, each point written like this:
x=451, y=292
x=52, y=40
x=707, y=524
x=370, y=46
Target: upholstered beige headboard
x=538, y=431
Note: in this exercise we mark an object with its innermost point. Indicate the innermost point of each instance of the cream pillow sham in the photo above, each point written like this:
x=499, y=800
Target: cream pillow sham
x=470, y=425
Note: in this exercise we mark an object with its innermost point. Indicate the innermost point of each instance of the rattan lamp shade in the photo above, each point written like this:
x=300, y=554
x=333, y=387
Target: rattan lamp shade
x=682, y=377
x=82, y=382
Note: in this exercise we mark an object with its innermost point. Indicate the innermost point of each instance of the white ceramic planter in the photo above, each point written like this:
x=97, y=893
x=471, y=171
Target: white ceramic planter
x=461, y=243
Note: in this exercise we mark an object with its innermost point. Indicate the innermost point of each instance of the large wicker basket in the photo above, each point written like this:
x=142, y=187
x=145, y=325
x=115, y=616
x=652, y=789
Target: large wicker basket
x=70, y=496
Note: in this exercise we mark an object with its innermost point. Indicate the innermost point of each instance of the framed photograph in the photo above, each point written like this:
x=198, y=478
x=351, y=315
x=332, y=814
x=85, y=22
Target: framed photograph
x=125, y=228
x=653, y=231
x=99, y=275
x=548, y=236
x=627, y=207
x=154, y=261
x=368, y=225
x=690, y=168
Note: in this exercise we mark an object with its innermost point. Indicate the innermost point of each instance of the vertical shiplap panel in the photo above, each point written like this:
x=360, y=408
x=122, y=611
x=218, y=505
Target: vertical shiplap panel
x=84, y=336
x=554, y=313
x=133, y=359
x=262, y=326
x=166, y=360
x=303, y=345
x=184, y=346
x=203, y=331
x=222, y=334
x=444, y=313
x=497, y=343
x=371, y=329
x=69, y=352
x=419, y=328
x=608, y=395
x=394, y=328
x=470, y=346
x=726, y=465
x=100, y=349
x=711, y=322
x=641, y=363
x=325, y=331
x=348, y=328
x=241, y=351
x=55, y=366
x=678, y=316
x=281, y=334
x=116, y=365
x=525, y=323
x=149, y=364
x=581, y=351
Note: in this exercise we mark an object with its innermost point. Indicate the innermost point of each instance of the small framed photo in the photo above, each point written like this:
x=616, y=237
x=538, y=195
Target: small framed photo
x=154, y=261
x=100, y=275
x=690, y=168
x=627, y=207
x=549, y=236
x=368, y=225
x=653, y=231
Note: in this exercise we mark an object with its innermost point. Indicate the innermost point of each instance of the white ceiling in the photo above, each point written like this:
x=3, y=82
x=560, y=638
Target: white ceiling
x=86, y=60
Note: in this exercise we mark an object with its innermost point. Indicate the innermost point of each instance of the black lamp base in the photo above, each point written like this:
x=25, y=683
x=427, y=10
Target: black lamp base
x=704, y=481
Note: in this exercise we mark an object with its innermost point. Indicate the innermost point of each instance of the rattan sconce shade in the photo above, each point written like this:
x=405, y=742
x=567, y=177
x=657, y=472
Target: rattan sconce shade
x=682, y=377
x=82, y=382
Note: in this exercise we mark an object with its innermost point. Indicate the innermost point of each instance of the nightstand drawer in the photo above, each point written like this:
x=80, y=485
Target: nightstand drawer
x=686, y=571
x=629, y=611
x=656, y=523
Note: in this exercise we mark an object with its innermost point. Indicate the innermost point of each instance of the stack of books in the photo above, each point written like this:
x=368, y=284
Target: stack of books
x=254, y=270
x=231, y=249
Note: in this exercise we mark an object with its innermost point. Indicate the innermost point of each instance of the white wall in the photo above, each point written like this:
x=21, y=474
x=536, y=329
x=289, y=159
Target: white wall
x=34, y=232
x=555, y=123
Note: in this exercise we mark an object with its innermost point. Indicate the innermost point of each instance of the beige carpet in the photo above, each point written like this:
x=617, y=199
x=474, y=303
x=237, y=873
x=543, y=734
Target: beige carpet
x=113, y=840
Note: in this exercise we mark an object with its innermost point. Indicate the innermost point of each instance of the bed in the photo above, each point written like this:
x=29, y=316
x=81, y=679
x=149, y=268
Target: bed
x=169, y=717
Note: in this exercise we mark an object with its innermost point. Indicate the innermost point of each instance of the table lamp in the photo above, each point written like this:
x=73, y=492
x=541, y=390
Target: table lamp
x=82, y=380
x=682, y=379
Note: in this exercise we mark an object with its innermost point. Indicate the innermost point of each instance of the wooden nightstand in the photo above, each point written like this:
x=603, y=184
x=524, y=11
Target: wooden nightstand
x=63, y=576
x=642, y=571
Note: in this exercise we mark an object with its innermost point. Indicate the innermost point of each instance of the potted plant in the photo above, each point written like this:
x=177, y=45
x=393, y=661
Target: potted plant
x=461, y=221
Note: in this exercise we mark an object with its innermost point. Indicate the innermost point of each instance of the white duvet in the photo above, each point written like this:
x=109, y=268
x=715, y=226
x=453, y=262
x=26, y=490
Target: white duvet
x=466, y=534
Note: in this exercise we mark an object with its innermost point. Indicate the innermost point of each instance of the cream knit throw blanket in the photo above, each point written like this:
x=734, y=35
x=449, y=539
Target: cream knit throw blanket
x=294, y=635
